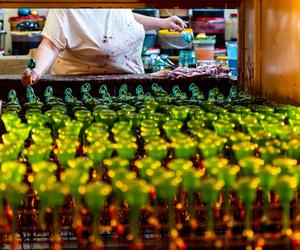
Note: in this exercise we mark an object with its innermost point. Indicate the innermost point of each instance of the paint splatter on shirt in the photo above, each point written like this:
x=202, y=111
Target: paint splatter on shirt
x=95, y=41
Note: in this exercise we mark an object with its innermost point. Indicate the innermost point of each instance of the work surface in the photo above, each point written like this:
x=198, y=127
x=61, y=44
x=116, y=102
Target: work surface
x=113, y=82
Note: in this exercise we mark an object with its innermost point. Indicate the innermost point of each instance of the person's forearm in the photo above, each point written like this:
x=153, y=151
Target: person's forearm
x=149, y=23
x=45, y=56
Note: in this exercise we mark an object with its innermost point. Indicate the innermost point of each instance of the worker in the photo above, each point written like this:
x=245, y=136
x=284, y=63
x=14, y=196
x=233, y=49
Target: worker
x=94, y=41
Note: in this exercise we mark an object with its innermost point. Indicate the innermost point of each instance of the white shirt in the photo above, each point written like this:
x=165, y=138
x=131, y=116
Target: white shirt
x=95, y=41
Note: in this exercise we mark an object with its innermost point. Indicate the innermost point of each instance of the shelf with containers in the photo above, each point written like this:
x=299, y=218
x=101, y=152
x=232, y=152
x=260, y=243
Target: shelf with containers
x=172, y=48
x=25, y=32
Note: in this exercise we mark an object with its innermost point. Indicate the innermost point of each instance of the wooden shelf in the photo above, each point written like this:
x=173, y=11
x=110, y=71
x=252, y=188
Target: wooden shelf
x=120, y=3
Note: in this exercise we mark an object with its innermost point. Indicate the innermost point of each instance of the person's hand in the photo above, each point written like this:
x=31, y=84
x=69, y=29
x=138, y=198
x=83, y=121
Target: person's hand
x=173, y=23
x=26, y=77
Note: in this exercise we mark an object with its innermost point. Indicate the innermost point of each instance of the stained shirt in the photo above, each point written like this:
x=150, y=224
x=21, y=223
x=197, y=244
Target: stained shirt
x=95, y=41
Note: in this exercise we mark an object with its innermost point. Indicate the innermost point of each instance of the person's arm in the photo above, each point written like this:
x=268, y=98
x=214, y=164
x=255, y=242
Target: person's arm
x=46, y=54
x=151, y=23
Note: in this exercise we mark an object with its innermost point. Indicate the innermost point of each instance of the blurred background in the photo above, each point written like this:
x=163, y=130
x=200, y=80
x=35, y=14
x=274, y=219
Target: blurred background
x=210, y=39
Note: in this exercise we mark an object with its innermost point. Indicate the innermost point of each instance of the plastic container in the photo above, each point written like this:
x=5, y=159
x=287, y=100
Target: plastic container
x=220, y=52
x=2, y=39
x=232, y=50
x=187, y=59
x=228, y=29
x=169, y=40
x=222, y=61
x=148, y=58
x=14, y=20
x=150, y=40
x=211, y=13
x=22, y=42
x=205, y=48
x=234, y=25
x=232, y=53
x=208, y=25
x=233, y=64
